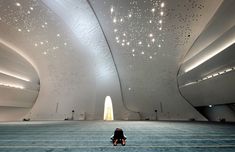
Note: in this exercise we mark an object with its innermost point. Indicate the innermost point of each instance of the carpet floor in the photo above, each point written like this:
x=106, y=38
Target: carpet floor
x=94, y=136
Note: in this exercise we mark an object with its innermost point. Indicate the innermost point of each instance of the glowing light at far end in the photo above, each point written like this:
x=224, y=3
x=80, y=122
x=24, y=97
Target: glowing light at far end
x=108, y=109
x=162, y=4
x=15, y=76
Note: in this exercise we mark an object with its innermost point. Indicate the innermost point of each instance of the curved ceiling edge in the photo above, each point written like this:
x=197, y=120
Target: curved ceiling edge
x=115, y=65
x=21, y=53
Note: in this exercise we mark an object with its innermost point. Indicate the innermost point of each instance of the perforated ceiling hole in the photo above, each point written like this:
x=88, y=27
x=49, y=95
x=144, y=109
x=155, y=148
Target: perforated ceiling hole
x=184, y=20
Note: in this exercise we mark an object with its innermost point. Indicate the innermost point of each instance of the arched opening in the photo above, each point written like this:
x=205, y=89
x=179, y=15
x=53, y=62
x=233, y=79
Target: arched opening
x=108, y=108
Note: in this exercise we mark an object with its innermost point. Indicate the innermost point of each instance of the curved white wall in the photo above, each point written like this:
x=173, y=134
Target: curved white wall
x=19, y=84
x=206, y=77
x=209, y=80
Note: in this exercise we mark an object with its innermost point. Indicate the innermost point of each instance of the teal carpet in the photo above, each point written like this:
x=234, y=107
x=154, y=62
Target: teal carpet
x=94, y=136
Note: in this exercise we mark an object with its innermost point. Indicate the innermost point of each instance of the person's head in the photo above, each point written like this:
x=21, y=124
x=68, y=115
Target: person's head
x=118, y=129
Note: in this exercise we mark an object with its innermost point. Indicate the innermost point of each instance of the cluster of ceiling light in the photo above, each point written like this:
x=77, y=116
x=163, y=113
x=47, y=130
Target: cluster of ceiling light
x=44, y=25
x=210, y=76
x=41, y=43
x=45, y=42
x=26, y=11
x=137, y=40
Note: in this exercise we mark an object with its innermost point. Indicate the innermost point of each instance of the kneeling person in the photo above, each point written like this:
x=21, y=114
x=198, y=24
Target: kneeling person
x=118, y=137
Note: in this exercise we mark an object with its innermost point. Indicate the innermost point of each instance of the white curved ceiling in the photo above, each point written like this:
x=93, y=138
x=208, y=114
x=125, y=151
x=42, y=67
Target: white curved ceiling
x=160, y=33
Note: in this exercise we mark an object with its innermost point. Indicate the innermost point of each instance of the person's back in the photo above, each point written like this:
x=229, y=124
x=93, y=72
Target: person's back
x=119, y=137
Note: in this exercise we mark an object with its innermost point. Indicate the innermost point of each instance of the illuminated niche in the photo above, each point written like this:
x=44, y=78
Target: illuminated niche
x=108, y=108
